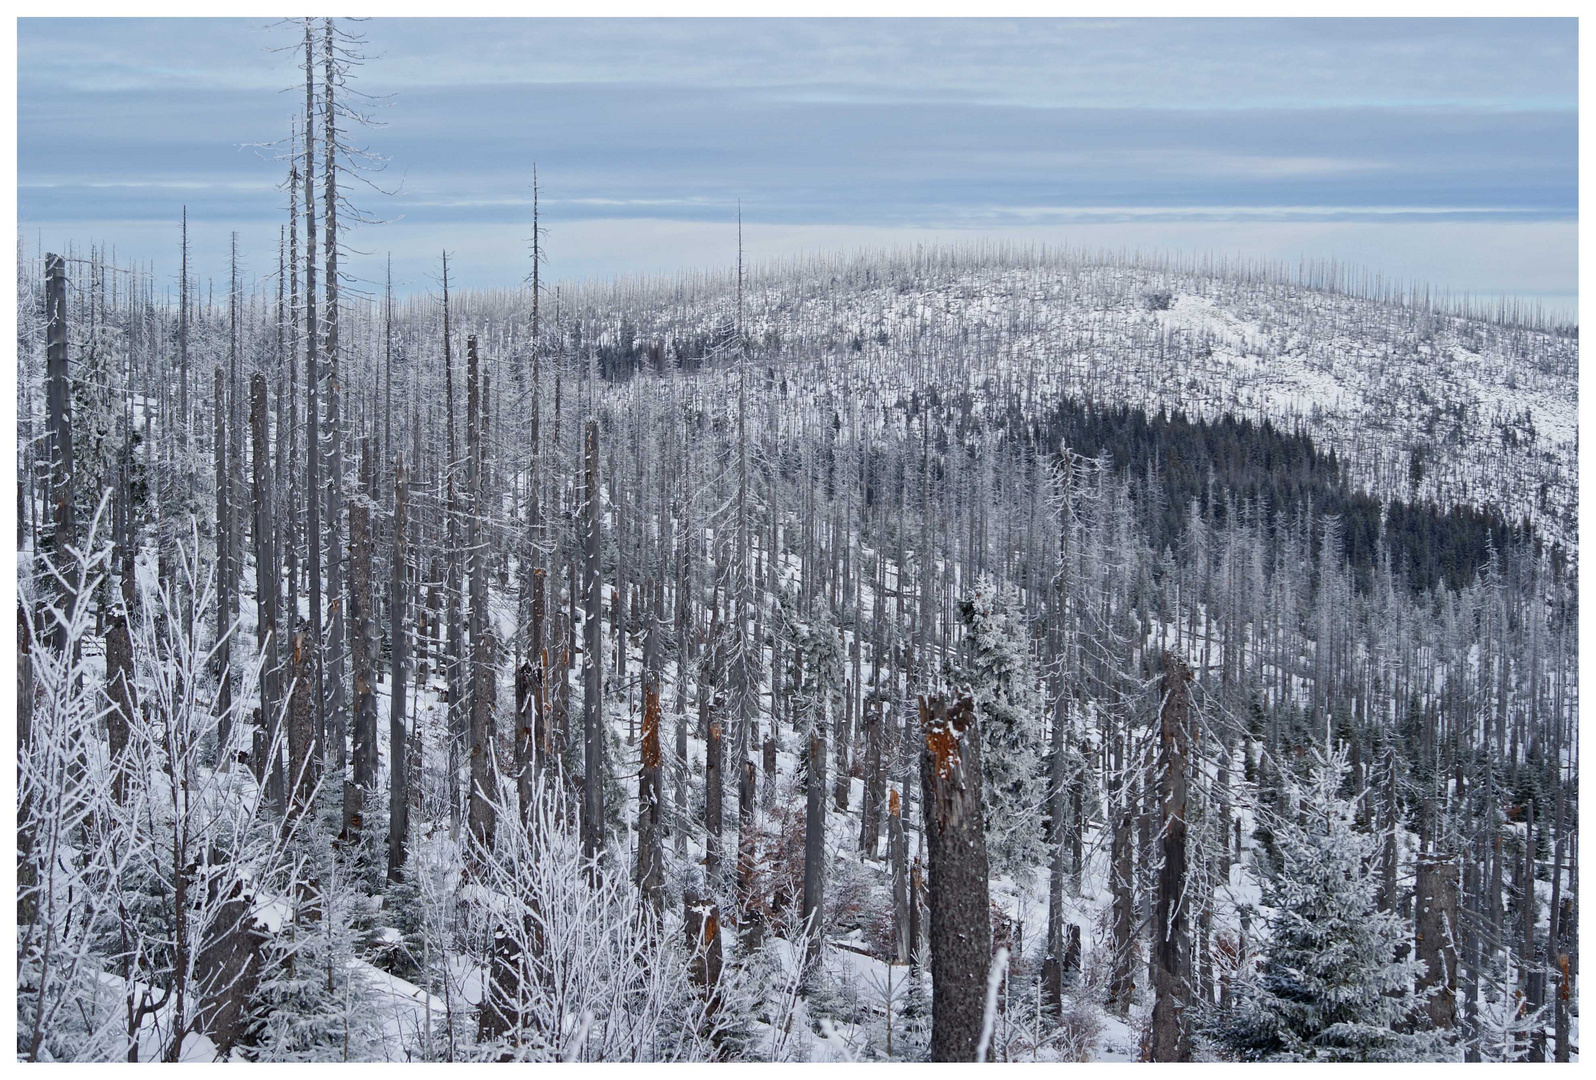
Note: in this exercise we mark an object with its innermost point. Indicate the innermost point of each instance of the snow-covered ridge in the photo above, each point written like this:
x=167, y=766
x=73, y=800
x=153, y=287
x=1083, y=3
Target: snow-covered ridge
x=1415, y=402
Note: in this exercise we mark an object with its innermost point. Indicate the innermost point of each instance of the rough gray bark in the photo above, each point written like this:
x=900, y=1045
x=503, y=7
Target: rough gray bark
x=650, y=854
x=58, y=449
x=1530, y=962
x=1170, y=1036
x=592, y=663
x=842, y=783
x=119, y=718
x=750, y=917
x=814, y=765
x=521, y=749
x=898, y=856
x=267, y=769
x=499, y=1017
x=537, y=649
x=874, y=781
x=301, y=726
x=1567, y=966
x=227, y=970
x=288, y=422
x=454, y=654
x=701, y=921
x=767, y=766
x=483, y=679
x=1057, y=796
x=961, y=926
x=714, y=789
x=1435, y=927
x=398, y=767
x=1121, y=882
x=362, y=624
x=337, y=712
x=27, y=865
x=225, y=610
x=313, y=449
x=916, y=912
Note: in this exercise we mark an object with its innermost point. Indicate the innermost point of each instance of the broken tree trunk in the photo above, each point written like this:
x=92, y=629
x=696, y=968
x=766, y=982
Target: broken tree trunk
x=701, y=921
x=1435, y=926
x=1170, y=1036
x=961, y=923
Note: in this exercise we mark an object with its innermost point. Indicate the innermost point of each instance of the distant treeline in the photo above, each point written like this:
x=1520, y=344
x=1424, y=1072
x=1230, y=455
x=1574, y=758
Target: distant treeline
x=1233, y=464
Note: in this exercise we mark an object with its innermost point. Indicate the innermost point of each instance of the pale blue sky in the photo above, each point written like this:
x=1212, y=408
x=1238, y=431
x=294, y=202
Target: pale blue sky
x=1444, y=150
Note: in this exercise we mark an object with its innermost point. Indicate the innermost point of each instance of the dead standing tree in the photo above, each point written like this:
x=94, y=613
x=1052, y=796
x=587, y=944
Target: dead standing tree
x=362, y=622
x=592, y=664
x=650, y=835
x=1170, y=1036
x=483, y=792
x=961, y=922
x=398, y=774
x=1435, y=938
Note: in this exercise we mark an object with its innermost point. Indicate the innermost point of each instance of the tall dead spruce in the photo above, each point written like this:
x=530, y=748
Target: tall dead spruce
x=398, y=772
x=592, y=664
x=1170, y=1036
x=483, y=796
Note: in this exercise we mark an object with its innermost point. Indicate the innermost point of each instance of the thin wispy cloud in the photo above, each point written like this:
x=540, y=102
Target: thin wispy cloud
x=852, y=124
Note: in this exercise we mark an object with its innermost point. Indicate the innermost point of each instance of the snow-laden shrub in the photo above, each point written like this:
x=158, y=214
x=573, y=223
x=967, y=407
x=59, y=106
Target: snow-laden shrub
x=580, y=968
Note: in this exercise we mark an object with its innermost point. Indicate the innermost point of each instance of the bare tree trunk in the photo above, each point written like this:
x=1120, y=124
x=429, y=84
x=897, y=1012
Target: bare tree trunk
x=592, y=664
x=119, y=718
x=750, y=918
x=301, y=727
x=267, y=770
x=27, y=864
x=1057, y=800
x=537, y=649
x=1528, y=960
x=714, y=787
x=814, y=765
x=1121, y=983
x=1567, y=959
x=874, y=777
x=961, y=925
x=337, y=713
x=483, y=682
x=701, y=921
x=650, y=857
x=767, y=768
x=898, y=856
x=454, y=657
x=224, y=575
x=363, y=784
x=842, y=783
x=1170, y=1036
x=398, y=766
x=1436, y=923
x=312, y=392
